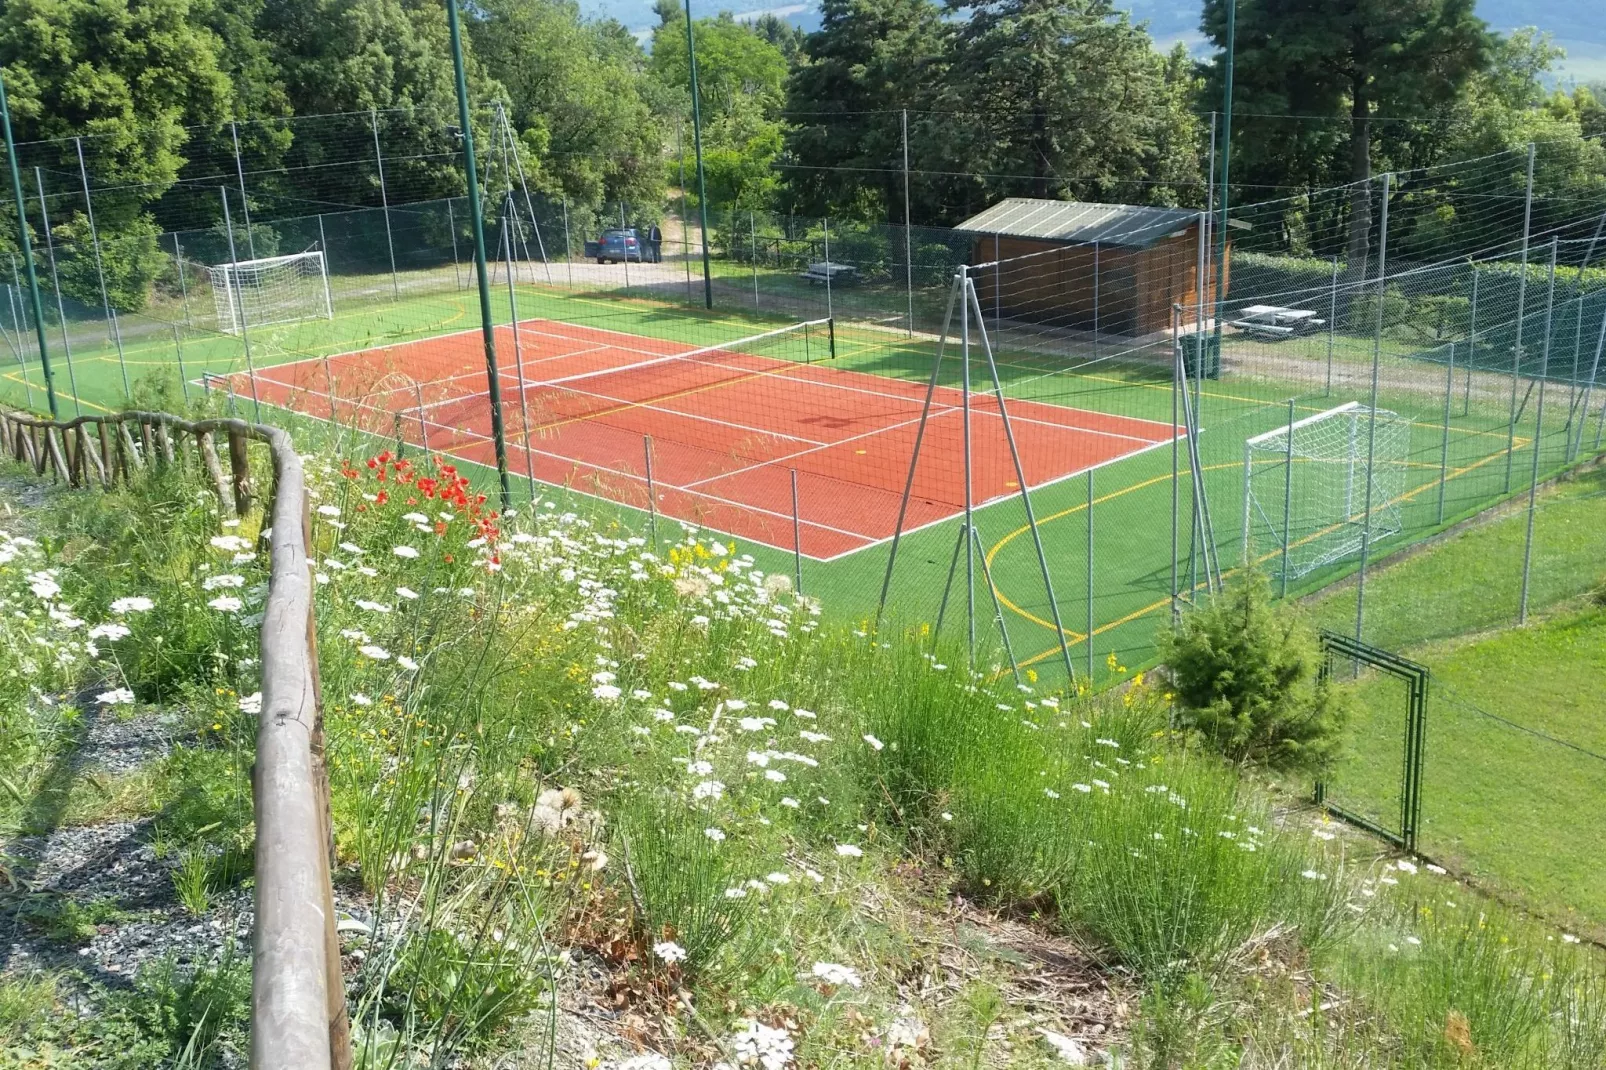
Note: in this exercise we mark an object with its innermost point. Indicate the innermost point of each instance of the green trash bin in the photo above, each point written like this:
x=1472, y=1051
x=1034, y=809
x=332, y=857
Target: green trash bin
x=1192, y=344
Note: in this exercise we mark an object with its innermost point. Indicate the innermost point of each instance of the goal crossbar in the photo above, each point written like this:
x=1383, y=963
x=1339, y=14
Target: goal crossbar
x=270, y=290
x=1320, y=488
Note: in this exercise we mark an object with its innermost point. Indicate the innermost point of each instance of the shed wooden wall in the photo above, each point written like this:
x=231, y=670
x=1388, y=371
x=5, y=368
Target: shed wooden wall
x=1135, y=287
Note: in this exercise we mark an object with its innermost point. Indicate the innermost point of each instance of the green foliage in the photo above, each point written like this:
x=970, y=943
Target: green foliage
x=1090, y=111
x=867, y=56
x=577, y=94
x=681, y=876
x=1245, y=673
x=187, y=1011
x=129, y=78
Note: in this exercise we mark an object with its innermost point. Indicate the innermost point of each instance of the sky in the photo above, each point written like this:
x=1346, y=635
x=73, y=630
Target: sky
x=1579, y=26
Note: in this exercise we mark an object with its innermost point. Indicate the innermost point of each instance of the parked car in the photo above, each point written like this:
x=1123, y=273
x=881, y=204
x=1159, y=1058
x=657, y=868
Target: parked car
x=617, y=246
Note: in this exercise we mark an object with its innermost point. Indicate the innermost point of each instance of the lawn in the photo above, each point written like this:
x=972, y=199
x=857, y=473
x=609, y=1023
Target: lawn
x=1516, y=749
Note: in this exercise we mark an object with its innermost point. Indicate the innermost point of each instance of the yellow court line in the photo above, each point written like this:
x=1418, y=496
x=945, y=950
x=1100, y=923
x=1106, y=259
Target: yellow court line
x=76, y=400
x=1054, y=650
x=294, y=355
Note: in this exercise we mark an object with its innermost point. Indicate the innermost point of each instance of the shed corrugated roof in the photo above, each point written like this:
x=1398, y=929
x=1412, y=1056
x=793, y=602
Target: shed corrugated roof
x=1130, y=225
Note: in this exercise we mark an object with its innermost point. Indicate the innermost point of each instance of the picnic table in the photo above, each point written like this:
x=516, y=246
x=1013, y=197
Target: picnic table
x=1275, y=321
x=834, y=272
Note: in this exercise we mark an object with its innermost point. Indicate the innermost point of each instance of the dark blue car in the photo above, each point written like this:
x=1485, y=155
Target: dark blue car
x=617, y=246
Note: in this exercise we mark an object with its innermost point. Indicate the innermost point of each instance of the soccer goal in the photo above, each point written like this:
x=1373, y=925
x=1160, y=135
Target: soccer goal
x=275, y=289
x=1306, y=487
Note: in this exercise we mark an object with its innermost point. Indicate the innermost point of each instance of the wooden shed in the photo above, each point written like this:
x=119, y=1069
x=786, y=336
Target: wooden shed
x=1113, y=268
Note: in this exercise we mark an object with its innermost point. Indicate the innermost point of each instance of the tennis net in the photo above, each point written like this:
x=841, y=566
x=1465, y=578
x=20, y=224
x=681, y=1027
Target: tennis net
x=595, y=395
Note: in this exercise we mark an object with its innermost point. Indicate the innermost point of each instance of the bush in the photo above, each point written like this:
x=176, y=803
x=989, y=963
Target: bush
x=1246, y=681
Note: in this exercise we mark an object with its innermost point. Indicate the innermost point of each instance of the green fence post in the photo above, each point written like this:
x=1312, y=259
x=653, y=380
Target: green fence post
x=27, y=252
x=487, y=327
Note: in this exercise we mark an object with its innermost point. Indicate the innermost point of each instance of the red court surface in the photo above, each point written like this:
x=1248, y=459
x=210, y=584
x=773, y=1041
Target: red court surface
x=727, y=429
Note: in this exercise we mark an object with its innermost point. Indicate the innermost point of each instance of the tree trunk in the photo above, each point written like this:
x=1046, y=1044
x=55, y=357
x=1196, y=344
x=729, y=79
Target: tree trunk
x=1360, y=165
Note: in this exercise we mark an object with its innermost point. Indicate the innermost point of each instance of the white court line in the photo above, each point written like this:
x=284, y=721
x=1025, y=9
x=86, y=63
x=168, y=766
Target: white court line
x=867, y=542
x=995, y=500
x=778, y=373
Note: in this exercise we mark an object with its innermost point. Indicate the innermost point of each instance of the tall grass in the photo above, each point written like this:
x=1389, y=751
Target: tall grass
x=543, y=731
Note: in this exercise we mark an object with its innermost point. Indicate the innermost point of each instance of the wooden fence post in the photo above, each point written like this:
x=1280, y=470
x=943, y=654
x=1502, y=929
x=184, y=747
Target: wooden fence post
x=214, y=469
x=240, y=467
x=130, y=455
x=164, y=442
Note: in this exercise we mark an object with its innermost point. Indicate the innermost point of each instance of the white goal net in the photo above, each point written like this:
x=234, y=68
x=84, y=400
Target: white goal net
x=1306, y=487
x=275, y=289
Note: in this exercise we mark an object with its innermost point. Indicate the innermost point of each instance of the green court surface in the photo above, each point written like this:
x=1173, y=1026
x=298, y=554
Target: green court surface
x=1111, y=596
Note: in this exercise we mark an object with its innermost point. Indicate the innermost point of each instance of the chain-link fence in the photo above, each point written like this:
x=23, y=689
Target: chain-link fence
x=1490, y=360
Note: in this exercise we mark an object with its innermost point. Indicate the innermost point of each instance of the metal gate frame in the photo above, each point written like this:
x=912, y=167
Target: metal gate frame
x=1415, y=677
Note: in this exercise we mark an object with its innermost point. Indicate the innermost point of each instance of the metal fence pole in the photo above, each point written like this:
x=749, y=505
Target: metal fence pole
x=685, y=228
x=55, y=282
x=26, y=241
x=1444, y=434
x=568, y=246
x=178, y=350
x=1332, y=324
x=1539, y=433
x=1095, y=300
x=626, y=260
x=1371, y=422
x=329, y=385
x=998, y=290
x=451, y=228
x=518, y=352
x=17, y=327
x=238, y=299
x=908, y=229
x=183, y=286
x=964, y=412
x=245, y=200
x=384, y=201
x=423, y=421
x=797, y=537
x=652, y=495
x=752, y=231
x=100, y=270
x=825, y=222
x=1472, y=344
x=1522, y=298
x=1589, y=387
x=1578, y=333
x=1176, y=386
x=481, y=270
x=1090, y=577
x=1288, y=497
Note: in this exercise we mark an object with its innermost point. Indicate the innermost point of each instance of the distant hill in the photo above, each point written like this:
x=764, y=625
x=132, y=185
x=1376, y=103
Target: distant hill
x=1579, y=27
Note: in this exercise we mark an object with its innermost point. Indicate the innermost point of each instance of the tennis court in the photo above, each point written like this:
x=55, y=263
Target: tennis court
x=764, y=438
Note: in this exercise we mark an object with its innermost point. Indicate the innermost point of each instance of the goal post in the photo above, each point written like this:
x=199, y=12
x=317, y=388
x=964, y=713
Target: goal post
x=1310, y=484
x=270, y=290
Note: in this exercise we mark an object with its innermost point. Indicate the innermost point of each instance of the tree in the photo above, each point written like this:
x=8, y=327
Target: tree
x=868, y=60
x=577, y=95
x=129, y=77
x=1348, y=57
x=1058, y=97
x=782, y=34
x=740, y=84
x=1246, y=680
x=345, y=57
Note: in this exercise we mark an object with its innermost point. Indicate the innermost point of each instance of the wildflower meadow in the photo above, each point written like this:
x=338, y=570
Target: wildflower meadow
x=583, y=774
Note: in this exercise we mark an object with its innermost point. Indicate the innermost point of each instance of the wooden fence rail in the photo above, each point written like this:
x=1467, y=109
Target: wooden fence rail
x=298, y=1005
